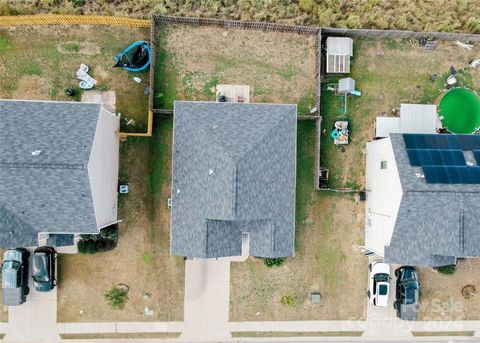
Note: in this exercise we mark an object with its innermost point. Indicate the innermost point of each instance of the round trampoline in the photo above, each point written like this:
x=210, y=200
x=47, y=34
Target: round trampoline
x=459, y=110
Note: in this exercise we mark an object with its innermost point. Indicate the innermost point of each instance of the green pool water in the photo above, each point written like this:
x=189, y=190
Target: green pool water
x=459, y=110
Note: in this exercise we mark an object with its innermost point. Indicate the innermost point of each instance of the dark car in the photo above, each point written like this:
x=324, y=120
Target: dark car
x=407, y=292
x=44, y=259
x=15, y=276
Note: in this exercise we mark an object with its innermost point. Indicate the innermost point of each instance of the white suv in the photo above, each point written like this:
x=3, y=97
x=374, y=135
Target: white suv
x=378, y=283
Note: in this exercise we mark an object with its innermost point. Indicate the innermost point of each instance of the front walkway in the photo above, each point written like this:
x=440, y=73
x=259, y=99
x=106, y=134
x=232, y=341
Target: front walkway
x=207, y=298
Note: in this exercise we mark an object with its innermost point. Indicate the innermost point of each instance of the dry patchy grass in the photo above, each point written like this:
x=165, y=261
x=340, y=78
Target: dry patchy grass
x=40, y=62
x=388, y=72
x=278, y=67
x=141, y=259
x=328, y=258
x=441, y=295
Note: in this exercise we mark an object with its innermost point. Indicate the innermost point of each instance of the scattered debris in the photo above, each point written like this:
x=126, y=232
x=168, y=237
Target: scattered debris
x=137, y=79
x=87, y=82
x=463, y=45
x=451, y=80
x=452, y=70
x=340, y=133
x=475, y=63
x=148, y=311
x=70, y=91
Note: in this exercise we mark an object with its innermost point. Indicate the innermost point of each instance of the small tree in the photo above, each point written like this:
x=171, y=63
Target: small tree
x=116, y=297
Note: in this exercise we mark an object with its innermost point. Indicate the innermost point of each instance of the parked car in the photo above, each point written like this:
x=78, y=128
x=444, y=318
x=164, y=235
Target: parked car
x=407, y=291
x=44, y=260
x=15, y=276
x=379, y=283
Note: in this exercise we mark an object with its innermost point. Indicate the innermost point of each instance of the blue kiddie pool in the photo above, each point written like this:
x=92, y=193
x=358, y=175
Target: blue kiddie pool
x=135, y=57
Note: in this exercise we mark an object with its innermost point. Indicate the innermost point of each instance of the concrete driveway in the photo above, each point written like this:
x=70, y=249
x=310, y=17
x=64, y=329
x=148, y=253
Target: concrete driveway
x=207, y=299
x=383, y=321
x=36, y=319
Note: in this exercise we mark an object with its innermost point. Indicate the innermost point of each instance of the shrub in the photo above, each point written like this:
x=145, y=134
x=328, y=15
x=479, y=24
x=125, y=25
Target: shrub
x=274, y=262
x=116, y=297
x=106, y=240
x=288, y=300
x=447, y=270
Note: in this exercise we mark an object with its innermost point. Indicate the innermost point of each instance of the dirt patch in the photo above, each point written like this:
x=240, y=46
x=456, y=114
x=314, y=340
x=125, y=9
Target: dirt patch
x=441, y=295
x=83, y=48
x=278, y=67
x=142, y=259
x=32, y=88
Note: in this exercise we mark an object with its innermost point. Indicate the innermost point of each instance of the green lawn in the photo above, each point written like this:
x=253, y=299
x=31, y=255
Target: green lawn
x=388, y=72
x=41, y=62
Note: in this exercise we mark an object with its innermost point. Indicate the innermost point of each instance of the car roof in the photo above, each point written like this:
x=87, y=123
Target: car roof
x=9, y=275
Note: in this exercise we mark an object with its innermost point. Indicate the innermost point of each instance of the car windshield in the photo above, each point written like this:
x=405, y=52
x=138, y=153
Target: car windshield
x=9, y=274
x=383, y=290
x=382, y=277
x=40, y=268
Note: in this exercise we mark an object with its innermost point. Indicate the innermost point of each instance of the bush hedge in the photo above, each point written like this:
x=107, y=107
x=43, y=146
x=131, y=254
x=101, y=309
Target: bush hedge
x=447, y=270
x=106, y=240
x=274, y=262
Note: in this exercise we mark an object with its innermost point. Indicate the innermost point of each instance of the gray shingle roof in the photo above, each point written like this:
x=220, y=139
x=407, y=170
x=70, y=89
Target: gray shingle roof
x=49, y=192
x=233, y=172
x=436, y=223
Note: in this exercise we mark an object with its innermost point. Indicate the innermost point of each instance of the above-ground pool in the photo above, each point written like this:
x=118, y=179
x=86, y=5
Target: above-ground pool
x=459, y=111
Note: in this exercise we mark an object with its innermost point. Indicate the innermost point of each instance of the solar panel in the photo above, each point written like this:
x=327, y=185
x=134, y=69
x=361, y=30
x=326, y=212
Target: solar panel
x=432, y=157
x=452, y=174
x=442, y=157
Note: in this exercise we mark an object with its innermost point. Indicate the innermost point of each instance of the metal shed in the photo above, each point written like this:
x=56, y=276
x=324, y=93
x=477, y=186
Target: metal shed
x=339, y=52
x=418, y=118
x=414, y=118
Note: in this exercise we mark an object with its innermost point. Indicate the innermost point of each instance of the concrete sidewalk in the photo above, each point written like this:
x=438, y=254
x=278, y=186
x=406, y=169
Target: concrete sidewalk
x=207, y=299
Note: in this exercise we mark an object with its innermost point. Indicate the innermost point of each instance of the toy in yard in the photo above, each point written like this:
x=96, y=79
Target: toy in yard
x=135, y=57
x=86, y=81
x=340, y=133
x=475, y=63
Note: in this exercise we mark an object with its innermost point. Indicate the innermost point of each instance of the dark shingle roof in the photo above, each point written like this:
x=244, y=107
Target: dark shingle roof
x=233, y=172
x=48, y=192
x=436, y=223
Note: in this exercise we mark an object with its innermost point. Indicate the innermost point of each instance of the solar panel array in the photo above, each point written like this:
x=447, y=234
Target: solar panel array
x=441, y=157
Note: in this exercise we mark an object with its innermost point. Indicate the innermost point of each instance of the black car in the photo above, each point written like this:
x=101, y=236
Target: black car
x=44, y=259
x=408, y=287
x=15, y=276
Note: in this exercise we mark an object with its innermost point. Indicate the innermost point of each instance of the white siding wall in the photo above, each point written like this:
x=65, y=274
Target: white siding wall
x=384, y=193
x=103, y=168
